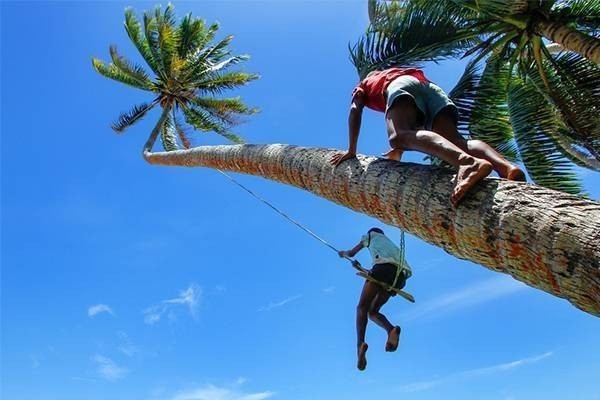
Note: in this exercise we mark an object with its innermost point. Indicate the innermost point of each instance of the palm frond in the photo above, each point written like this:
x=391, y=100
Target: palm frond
x=135, y=71
x=584, y=13
x=168, y=37
x=134, y=31
x=489, y=115
x=531, y=118
x=191, y=35
x=228, y=105
x=168, y=135
x=202, y=120
x=497, y=7
x=114, y=73
x=408, y=38
x=204, y=60
x=132, y=116
x=575, y=92
x=181, y=133
x=151, y=35
x=217, y=83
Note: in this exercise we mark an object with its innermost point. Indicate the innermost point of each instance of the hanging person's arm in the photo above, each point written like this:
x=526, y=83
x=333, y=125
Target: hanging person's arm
x=354, y=122
x=352, y=252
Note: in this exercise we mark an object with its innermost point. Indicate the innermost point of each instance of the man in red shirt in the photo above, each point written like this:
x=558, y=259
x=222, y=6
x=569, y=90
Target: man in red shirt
x=410, y=103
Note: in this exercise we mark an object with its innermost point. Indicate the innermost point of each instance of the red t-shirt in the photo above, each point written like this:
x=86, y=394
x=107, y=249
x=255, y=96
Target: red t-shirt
x=373, y=87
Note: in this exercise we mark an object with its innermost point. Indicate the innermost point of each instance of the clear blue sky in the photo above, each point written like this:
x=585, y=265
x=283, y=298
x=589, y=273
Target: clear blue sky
x=122, y=280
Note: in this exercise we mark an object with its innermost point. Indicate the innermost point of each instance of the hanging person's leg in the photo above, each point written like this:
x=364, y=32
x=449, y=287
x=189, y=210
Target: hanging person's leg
x=376, y=316
x=369, y=292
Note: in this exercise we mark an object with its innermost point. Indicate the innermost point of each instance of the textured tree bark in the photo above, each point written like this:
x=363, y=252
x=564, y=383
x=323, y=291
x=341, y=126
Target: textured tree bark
x=585, y=45
x=547, y=239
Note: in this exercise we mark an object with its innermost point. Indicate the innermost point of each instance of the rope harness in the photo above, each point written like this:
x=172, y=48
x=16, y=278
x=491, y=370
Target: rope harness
x=363, y=272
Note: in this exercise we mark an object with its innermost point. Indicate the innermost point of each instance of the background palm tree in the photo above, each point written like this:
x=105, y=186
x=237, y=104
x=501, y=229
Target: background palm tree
x=188, y=70
x=535, y=106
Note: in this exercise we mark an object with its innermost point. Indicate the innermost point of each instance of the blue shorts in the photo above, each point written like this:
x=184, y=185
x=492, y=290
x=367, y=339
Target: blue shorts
x=429, y=98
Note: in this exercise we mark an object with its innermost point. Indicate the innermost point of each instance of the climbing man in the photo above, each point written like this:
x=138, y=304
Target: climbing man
x=420, y=116
x=389, y=268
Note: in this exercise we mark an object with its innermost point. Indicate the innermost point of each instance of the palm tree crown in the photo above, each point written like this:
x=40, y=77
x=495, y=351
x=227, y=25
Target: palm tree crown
x=533, y=104
x=189, y=71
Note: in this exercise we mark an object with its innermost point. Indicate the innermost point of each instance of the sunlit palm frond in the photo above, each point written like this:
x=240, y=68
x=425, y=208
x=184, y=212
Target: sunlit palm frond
x=191, y=33
x=151, y=36
x=168, y=37
x=135, y=71
x=134, y=31
x=217, y=83
x=114, y=73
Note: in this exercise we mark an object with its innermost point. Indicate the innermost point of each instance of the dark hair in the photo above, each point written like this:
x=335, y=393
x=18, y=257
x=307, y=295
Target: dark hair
x=375, y=230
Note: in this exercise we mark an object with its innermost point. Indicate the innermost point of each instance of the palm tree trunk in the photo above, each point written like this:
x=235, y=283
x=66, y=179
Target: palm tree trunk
x=548, y=239
x=585, y=45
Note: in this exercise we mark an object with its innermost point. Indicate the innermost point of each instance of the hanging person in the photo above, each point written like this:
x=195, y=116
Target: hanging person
x=420, y=116
x=390, y=268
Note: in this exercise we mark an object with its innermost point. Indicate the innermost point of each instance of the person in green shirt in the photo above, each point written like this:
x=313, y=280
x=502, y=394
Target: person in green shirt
x=387, y=268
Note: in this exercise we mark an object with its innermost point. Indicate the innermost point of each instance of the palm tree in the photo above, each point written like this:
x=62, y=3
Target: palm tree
x=547, y=239
x=544, y=112
x=188, y=72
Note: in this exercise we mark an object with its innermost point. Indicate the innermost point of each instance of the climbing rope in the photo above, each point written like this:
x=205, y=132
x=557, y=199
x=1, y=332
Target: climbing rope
x=361, y=270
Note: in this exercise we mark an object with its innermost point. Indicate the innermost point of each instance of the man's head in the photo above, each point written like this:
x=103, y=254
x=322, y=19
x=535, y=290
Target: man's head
x=375, y=230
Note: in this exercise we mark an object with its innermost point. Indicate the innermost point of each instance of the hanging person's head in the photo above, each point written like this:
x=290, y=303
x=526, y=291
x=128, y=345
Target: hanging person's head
x=375, y=230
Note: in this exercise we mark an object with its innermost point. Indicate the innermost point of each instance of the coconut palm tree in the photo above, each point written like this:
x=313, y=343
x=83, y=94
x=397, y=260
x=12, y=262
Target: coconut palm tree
x=188, y=70
x=562, y=89
x=547, y=239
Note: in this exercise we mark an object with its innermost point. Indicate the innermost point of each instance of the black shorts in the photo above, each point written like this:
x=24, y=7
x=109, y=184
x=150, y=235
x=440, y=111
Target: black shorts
x=386, y=273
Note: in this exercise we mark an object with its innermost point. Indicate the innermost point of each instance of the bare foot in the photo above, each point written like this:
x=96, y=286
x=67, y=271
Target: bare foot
x=362, y=356
x=393, y=339
x=467, y=176
x=516, y=174
x=393, y=154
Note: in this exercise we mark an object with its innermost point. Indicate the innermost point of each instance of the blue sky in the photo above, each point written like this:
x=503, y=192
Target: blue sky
x=123, y=280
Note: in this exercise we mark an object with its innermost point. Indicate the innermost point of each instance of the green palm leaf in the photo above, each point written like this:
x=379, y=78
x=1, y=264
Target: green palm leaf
x=489, y=115
x=181, y=133
x=114, y=73
x=202, y=120
x=217, y=83
x=134, y=71
x=134, y=31
x=168, y=135
x=132, y=116
x=410, y=37
x=575, y=92
x=167, y=36
x=532, y=117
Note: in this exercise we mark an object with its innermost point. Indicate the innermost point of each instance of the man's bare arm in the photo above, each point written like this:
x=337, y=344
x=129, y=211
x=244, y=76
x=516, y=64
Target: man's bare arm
x=354, y=122
x=352, y=252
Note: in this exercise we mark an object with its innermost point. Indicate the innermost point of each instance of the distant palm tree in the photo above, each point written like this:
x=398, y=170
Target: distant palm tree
x=188, y=70
x=533, y=105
